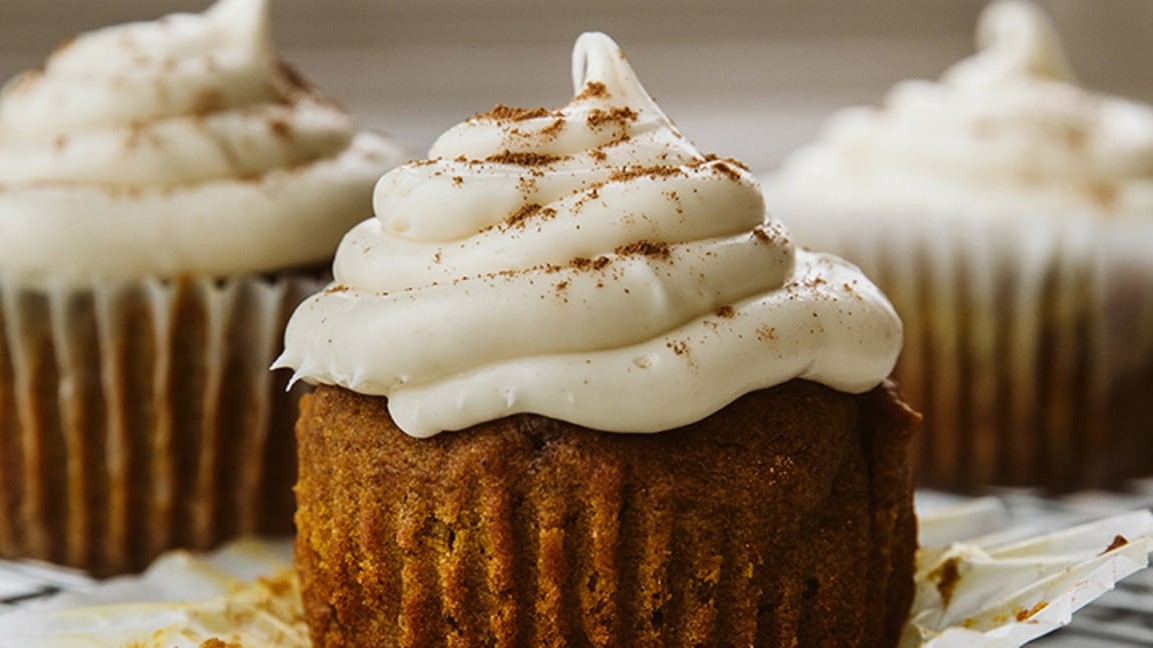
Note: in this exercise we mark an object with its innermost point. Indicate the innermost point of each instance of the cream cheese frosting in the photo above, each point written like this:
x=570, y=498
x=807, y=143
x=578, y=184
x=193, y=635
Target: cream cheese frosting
x=587, y=264
x=177, y=147
x=1005, y=131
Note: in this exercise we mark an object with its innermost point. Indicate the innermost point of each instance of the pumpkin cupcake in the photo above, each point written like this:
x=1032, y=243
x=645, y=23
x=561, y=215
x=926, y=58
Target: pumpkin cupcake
x=577, y=388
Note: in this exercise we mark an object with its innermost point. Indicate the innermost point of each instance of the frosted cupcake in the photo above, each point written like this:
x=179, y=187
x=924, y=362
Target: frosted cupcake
x=576, y=387
x=169, y=191
x=1008, y=213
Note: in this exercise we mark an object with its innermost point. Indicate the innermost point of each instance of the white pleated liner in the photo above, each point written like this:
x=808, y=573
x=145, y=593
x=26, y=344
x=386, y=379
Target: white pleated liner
x=1028, y=340
x=982, y=593
x=140, y=415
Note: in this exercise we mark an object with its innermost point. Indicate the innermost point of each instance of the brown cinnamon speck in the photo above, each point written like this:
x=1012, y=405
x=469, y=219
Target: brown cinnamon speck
x=585, y=263
x=525, y=158
x=727, y=171
x=457, y=180
x=553, y=129
x=725, y=312
x=520, y=216
x=593, y=90
x=654, y=172
x=501, y=112
x=617, y=116
x=655, y=249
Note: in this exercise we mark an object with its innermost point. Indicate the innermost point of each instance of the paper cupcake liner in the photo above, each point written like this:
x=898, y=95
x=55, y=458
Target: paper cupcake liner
x=246, y=593
x=983, y=592
x=137, y=416
x=1028, y=341
x=745, y=528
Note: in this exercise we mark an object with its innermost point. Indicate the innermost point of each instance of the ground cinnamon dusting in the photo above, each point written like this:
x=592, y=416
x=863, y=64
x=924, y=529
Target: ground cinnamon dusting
x=619, y=116
x=725, y=312
x=585, y=263
x=337, y=288
x=657, y=249
x=501, y=112
x=727, y=171
x=522, y=158
x=593, y=89
x=654, y=172
x=553, y=129
x=679, y=347
x=526, y=212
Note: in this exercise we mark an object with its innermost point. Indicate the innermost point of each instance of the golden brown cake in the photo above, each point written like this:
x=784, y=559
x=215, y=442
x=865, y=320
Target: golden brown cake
x=576, y=387
x=783, y=519
x=158, y=224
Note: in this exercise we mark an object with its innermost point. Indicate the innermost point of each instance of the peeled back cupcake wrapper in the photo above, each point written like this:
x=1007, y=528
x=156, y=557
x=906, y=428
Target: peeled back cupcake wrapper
x=156, y=398
x=1028, y=340
x=973, y=594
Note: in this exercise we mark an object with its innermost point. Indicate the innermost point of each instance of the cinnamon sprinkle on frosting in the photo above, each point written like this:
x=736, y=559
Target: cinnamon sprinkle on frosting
x=654, y=249
x=524, y=158
x=501, y=112
x=593, y=90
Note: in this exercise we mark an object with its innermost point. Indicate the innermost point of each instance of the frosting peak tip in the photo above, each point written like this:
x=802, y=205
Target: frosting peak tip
x=248, y=19
x=1022, y=34
x=597, y=58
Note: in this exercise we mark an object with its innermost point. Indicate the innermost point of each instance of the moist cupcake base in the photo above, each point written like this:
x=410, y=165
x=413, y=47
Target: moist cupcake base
x=784, y=519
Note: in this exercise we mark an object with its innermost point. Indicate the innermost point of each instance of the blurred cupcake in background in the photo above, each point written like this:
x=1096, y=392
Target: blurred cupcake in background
x=1008, y=214
x=169, y=191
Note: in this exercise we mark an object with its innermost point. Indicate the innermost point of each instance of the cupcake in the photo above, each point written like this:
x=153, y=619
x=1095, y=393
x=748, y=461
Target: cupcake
x=575, y=387
x=169, y=192
x=1008, y=214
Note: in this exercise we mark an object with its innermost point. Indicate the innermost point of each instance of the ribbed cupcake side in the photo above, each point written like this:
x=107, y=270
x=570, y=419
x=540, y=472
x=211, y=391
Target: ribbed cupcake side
x=136, y=416
x=531, y=532
x=1028, y=344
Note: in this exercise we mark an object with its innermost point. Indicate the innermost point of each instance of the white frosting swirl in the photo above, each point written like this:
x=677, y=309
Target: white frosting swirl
x=180, y=146
x=587, y=264
x=1004, y=131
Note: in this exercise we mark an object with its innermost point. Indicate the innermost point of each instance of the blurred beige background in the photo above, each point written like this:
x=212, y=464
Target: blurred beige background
x=744, y=78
